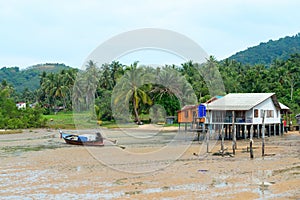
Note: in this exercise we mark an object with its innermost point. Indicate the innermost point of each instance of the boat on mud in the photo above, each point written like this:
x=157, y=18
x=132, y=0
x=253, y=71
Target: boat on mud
x=84, y=139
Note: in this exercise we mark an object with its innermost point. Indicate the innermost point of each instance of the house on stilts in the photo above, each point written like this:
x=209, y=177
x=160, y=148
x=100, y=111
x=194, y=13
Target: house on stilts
x=241, y=110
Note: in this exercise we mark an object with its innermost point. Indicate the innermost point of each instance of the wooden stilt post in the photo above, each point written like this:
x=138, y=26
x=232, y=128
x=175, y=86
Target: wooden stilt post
x=280, y=129
x=263, y=133
x=233, y=133
x=207, y=138
x=245, y=132
x=222, y=141
x=275, y=130
x=270, y=129
x=248, y=131
x=258, y=130
x=251, y=141
x=208, y=133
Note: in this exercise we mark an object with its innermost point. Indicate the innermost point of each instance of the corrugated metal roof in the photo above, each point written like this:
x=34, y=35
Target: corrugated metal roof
x=283, y=107
x=239, y=101
x=187, y=107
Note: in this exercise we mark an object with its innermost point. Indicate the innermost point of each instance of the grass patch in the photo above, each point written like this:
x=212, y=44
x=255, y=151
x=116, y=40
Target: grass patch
x=65, y=120
x=170, y=125
x=62, y=120
x=10, y=132
x=115, y=125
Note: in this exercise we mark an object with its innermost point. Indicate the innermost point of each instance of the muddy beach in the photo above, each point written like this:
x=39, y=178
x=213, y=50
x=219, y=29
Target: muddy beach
x=156, y=164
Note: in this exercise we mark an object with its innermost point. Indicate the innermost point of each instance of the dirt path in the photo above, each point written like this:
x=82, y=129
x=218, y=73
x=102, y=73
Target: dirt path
x=39, y=165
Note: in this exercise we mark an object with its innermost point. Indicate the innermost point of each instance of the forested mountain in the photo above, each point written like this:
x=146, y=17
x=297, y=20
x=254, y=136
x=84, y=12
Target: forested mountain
x=266, y=53
x=30, y=77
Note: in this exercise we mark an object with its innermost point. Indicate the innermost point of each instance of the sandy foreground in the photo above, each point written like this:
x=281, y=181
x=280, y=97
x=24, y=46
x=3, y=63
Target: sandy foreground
x=157, y=163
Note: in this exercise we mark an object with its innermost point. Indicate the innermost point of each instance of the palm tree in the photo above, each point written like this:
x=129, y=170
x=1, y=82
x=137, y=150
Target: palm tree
x=85, y=86
x=170, y=82
x=47, y=84
x=131, y=88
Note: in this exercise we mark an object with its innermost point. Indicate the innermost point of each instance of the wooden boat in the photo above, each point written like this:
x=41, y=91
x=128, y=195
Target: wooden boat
x=89, y=140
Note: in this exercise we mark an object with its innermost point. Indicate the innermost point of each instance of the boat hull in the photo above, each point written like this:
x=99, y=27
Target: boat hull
x=87, y=143
x=76, y=140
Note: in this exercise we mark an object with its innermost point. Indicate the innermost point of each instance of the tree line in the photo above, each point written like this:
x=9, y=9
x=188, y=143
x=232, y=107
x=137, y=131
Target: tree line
x=116, y=91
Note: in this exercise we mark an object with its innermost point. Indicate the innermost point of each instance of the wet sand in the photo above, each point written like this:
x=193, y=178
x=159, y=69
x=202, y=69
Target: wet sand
x=156, y=164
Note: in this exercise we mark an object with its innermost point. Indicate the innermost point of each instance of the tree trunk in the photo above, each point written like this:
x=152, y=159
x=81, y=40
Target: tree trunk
x=136, y=111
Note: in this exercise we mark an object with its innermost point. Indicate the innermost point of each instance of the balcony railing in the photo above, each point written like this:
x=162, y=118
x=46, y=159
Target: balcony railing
x=229, y=120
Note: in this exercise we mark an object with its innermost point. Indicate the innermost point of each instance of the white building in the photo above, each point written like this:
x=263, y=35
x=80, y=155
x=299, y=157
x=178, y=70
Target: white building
x=246, y=109
x=21, y=105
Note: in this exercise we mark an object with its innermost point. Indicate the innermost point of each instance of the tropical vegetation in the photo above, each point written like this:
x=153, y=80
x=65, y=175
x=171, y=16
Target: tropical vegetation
x=266, y=52
x=136, y=93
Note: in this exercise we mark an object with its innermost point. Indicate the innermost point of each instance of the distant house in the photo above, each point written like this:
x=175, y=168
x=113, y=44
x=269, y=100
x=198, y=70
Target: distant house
x=21, y=105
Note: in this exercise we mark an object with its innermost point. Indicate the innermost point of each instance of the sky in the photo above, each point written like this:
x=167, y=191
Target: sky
x=46, y=31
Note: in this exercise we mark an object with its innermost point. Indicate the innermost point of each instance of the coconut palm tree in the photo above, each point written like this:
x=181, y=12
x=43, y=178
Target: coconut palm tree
x=131, y=88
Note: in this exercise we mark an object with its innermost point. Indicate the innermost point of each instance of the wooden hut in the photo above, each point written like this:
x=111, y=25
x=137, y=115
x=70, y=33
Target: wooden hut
x=194, y=115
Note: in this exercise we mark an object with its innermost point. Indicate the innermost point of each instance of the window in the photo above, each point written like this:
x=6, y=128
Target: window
x=186, y=114
x=256, y=113
x=270, y=113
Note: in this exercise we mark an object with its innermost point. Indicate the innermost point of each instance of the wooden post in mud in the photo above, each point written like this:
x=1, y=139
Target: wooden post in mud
x=279, y=133
x=222, y=141
x=263, y=133
x=233, y=133
x=251, y=141
x=207, y=138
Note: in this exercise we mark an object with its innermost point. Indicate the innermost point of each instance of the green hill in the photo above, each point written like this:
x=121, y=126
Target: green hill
x=29, y=77
x=266, y=53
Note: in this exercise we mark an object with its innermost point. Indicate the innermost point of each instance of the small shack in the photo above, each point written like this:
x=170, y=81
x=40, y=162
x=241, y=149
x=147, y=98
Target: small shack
x=194, y=115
